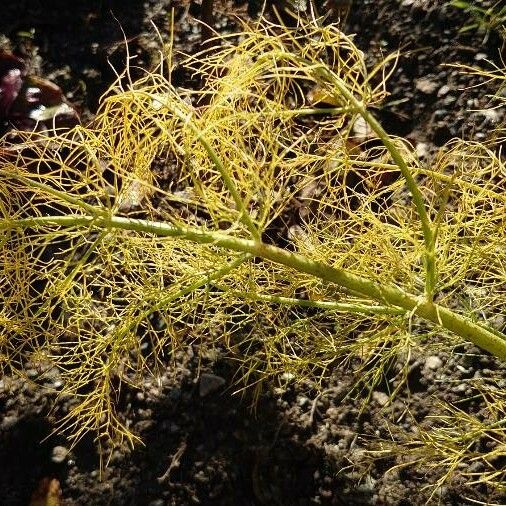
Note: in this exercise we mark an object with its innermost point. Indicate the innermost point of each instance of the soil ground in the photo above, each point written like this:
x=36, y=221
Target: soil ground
x=302, y=445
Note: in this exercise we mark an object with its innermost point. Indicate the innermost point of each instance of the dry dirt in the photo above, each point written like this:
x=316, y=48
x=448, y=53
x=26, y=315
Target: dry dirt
x=301, y=445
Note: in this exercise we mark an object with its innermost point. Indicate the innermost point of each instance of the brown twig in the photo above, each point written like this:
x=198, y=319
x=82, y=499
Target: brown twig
x=174, y=463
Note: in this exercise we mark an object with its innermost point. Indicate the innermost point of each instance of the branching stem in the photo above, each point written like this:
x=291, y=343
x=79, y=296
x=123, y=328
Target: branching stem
x=428, y=233
x=225, y=174
x=390, y=295
x=328, y=305
x=342, y=90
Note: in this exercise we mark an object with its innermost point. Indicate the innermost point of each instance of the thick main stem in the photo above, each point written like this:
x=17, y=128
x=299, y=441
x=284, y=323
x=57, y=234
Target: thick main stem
x=486, y=339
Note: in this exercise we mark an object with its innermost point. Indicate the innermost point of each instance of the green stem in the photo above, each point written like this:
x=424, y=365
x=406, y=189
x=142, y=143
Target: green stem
x=226, y=176
x=434, y=174
x=386, y=294
x=328, y=305
x=342, y=90
x=210, y=277
x=428, y=234
x=309, y=111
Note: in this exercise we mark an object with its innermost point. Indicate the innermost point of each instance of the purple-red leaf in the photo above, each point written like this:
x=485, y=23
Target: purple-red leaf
x=41, y=105
x=29, y=102
x=12, y=72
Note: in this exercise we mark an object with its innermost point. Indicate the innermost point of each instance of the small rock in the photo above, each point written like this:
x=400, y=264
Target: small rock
x=422, y=149
x=287, y=376
x=59, y=454
x=201, y=477
x=491, y=115
x=154, y=392
x=209, y=383
x=302, y=400
x=380, y=398
x=8, y=422
x=443, y=91
x=426, y=86
x=460, y=388
x=433, y=362
x=440, y=114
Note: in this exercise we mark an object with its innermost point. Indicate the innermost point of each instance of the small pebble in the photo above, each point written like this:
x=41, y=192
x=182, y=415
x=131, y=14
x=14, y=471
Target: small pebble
x=444, y=90
x=491, y=115
x=302, y=400
x=381, y=398
x=433, y=362
x=59, y=454
x=460, y=388
x=209, y=383
x=8, y=422
x=287, y=376
x=426, y=85
x=201, y=477
x=422, y=149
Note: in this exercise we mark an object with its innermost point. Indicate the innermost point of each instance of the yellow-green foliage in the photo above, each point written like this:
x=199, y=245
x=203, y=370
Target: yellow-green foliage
x=484, y=19
x=138, y=271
